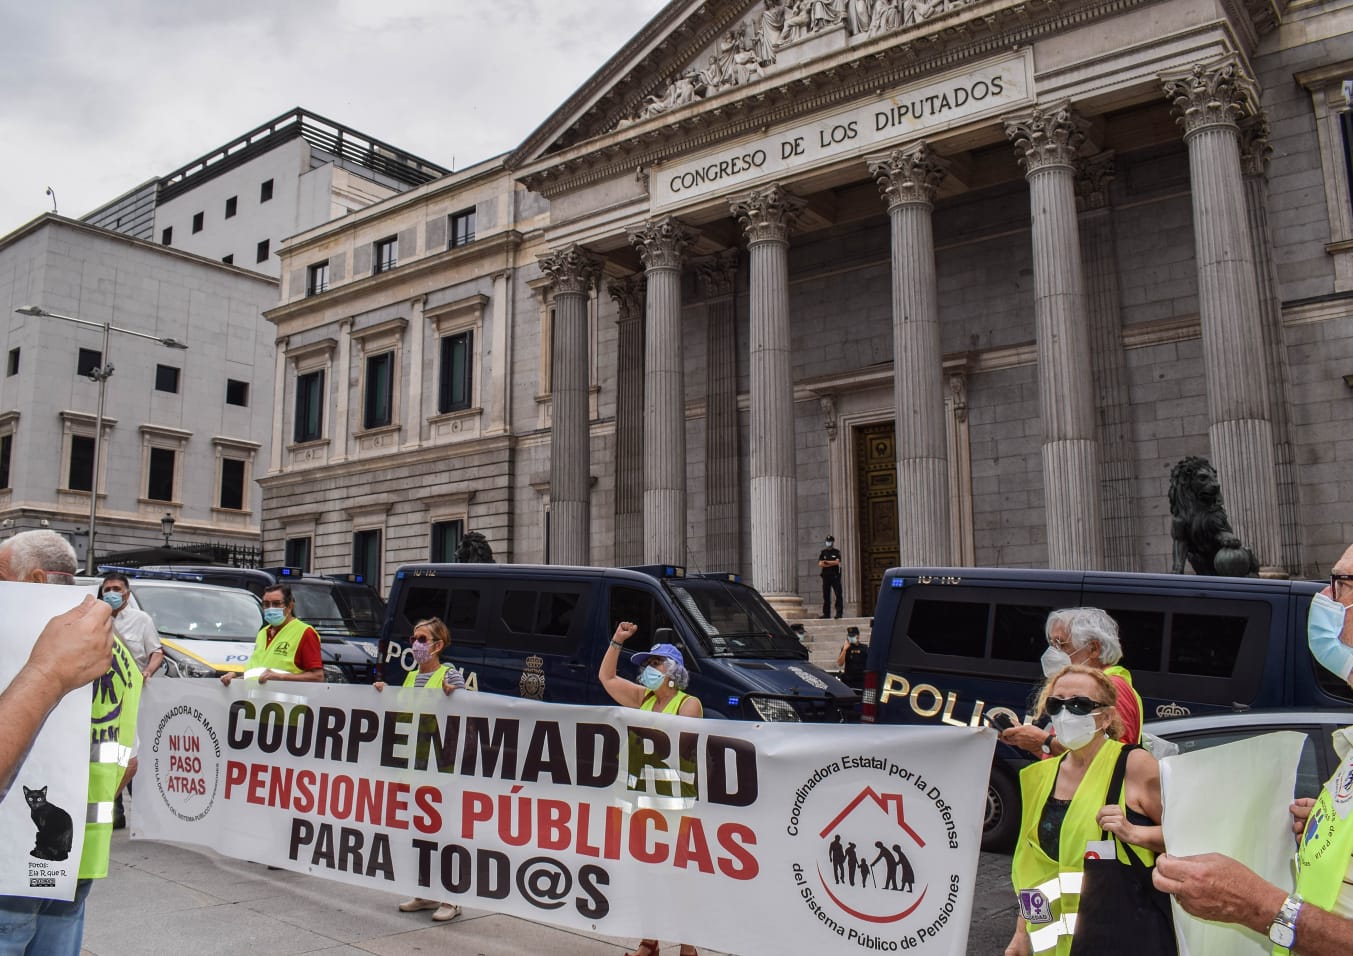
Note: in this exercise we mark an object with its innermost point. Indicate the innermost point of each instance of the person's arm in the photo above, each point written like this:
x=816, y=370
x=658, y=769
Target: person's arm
x=622, y=691
x=841, y=658
x=1031, y=738
x=1218, y=888
x=1020, y=944
x=152, y=665
x=1142, y=790
x=690, y=707
x=453, y=681
x=72, y=650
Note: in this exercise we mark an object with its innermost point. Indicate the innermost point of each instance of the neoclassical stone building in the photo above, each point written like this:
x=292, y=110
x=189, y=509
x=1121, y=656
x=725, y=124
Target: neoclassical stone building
x=955, y=281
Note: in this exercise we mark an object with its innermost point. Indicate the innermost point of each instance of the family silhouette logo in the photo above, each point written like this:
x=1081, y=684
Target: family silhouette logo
x=871, y=876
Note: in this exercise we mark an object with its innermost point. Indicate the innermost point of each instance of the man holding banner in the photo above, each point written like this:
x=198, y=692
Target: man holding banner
x=286, y=648
x=56, y=927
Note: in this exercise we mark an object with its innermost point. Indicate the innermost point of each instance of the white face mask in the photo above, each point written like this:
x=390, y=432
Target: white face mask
x=1053, y=660
x=1074, y=731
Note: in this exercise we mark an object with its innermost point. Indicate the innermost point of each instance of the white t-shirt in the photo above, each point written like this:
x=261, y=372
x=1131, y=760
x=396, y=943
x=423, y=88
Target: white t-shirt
x=138, y=632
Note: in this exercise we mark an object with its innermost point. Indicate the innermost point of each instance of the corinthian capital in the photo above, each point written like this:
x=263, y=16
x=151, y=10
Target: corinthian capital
x=767, y=214
x=628, y=294
x=1214, y=94
x=718, y=274
x=1049, y=136
x=571, y=269
x=1094, y=175
x=661, y=242
x=1255, y=147
x=910, y=174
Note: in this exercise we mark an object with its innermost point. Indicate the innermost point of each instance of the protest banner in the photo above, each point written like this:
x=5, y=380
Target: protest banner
x=758, y=838
x=42, y=817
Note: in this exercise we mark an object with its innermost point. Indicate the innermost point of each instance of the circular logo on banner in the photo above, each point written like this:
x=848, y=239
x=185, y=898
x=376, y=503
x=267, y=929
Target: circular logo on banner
x=877, y=853
x=186, y=763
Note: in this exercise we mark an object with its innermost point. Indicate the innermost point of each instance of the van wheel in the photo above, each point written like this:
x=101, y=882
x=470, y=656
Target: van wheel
x=1001, y=822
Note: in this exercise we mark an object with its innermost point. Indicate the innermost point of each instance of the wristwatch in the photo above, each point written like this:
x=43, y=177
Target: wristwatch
x=1283, y=930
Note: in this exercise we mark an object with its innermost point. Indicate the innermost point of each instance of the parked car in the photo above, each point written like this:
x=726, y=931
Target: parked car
x=540, y=632
x=959, y=645
x=207, y=629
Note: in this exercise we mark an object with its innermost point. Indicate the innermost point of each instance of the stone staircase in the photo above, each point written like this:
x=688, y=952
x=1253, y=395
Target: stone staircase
x=824, y=638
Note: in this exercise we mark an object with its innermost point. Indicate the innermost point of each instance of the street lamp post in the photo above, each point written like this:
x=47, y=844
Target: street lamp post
x=100, y=375
x=167, y=527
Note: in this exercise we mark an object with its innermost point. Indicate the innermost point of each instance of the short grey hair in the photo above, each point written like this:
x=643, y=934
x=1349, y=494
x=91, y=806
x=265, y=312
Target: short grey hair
x=41, y=550
x=1086, y=624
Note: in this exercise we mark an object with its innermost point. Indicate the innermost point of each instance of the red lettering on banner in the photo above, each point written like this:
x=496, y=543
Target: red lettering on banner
x=396, y=805
x=615, y=821
x=735, y=838
x=474, y=808
x=638, y=833
x=691, y=846
x=256, y=783
x=305, y=793
x=585, y=848
x=430, y=820
x=552, y=825
x=235, y=774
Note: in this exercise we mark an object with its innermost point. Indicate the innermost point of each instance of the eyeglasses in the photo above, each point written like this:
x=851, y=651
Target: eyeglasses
x=1080, y=706
x=1338, y=579
x=274, y=604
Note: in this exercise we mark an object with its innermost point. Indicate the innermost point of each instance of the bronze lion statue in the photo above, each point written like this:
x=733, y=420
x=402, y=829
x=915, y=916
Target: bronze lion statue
x=1201, y=531
x=474, y=549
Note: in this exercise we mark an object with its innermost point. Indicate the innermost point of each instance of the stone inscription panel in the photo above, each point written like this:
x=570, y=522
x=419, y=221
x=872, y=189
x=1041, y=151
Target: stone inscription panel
x=990, y=89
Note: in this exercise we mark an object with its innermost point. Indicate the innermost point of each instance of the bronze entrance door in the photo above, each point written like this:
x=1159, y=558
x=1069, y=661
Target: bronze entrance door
x=876, y=466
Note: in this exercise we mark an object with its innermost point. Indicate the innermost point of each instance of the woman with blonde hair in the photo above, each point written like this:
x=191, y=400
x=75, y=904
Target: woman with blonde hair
x=1067, y=809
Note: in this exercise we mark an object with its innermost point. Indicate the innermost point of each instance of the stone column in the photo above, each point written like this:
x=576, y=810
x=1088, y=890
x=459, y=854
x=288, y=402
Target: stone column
x=766, y=216
x=343, y=391
x=628, y=294
x=413, y=407
x=1099, y=256
x=908, y=178
x=1048, y=141
x=1209, y=100
x=573, y=271
x=279, y=406
x=723, y=520
x=661, y=243
x=1254, y=153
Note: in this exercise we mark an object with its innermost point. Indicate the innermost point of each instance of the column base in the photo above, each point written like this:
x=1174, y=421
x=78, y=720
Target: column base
x=788, y=606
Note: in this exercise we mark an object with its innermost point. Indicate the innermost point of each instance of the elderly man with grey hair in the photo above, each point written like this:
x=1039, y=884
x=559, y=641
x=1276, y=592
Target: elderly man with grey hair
x=1089, y=636
x=38, y=927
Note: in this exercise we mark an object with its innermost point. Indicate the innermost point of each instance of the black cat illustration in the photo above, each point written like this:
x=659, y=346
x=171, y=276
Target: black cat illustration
x=54, y=827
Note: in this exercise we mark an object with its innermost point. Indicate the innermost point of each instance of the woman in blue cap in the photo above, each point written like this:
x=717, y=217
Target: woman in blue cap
x=661, y=688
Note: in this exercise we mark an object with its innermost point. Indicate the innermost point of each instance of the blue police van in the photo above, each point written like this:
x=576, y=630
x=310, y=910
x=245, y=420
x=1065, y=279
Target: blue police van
x=540, y=631
x=961, y=645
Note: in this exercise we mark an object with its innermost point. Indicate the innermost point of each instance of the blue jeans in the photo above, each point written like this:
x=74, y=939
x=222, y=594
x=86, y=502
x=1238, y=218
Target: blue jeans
x=32, y=927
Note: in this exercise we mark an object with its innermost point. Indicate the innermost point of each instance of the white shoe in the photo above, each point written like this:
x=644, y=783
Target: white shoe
x=446, y=912
x=416, y=904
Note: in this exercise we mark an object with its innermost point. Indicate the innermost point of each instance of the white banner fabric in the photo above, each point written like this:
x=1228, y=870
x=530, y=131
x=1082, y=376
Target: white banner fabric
x=749, y=838
x=42, y=817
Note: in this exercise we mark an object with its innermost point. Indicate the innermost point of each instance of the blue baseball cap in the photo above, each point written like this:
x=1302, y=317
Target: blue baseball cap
x=669, y=651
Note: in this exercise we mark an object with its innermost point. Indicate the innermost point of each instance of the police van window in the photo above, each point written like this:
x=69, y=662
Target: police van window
x=1205, y=644
x=1018, y=633
x=547, y=621
x=632, y=604
x=1330, y=684
x=1142, y=634
x=424, y=601
x=949, y=627
x=462, y=613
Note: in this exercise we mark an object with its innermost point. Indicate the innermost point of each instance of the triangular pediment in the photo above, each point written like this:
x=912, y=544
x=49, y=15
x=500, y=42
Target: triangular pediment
x=695, y=52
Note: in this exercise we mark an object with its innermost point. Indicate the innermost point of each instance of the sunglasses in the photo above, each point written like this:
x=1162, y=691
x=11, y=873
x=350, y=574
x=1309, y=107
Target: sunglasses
x=1080, y=706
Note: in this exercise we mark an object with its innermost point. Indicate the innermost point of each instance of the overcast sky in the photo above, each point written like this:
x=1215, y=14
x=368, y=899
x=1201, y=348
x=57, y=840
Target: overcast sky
x=101, y=95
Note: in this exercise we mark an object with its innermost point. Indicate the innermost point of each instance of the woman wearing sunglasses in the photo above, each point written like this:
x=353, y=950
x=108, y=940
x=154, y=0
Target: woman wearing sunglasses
x=1065, y=813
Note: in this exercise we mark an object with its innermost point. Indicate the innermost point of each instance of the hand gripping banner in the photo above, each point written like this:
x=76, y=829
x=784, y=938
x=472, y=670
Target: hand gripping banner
x=855, y=837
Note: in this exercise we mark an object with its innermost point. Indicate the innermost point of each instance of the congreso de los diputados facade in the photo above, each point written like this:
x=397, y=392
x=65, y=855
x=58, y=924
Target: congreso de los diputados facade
x=957, y=281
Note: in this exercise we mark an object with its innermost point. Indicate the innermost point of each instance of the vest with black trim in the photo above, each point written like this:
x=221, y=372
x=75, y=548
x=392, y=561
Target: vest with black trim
x=112, y=732
x=280, y=655
x=1046, y=889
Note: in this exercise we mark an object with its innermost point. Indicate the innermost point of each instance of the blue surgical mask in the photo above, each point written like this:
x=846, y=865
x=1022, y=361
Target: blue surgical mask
x=1324, y=624
x=274, y=615
x=113, y=599
x=651, y=678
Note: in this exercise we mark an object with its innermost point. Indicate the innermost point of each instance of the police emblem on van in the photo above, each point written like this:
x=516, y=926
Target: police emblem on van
x=532, y=683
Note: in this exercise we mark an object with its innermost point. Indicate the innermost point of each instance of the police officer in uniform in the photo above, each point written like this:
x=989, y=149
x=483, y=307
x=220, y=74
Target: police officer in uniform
x=286, y=647
x=1317, y=918
x=829, y=560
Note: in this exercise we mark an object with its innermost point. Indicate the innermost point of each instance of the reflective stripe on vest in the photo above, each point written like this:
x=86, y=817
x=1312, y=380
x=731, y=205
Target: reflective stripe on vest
x=1327, y=842
x=112, y=732
x=280, y=654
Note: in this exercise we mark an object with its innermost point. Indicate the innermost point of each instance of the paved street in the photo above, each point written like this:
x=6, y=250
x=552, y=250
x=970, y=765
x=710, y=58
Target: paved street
x=164, y=900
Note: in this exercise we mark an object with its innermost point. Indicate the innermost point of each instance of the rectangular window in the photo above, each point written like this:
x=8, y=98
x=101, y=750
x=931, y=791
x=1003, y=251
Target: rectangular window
x=81, y=474
x=198, y=219
x=160, y=480
x=13, y=367
x=462, y=227
x=166, y=378
x=167, y=236
x=232, y=205
x=1346, y=128
x=446, y=536
x=229, y=260
x=262, y=253
x=366, y=556
x=237, y=392
x=453, y=392
x=297, y=553
x=317, y=278
x=6, y=453
x=310, y=406
x=387, y=254
x=232, y=484
x=377, y=407
x=265, y=191
x=89, y=361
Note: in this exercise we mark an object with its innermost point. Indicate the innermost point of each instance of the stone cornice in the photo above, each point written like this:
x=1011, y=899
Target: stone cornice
x=394, y=463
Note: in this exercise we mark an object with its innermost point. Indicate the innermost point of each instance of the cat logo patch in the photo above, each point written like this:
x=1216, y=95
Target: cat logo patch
x=1034, y=906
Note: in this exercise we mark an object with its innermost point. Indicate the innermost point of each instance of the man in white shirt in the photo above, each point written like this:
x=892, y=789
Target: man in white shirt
x=134, y=626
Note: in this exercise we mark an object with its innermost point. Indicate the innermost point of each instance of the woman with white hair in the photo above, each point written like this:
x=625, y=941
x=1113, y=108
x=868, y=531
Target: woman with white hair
x=1089, y=636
